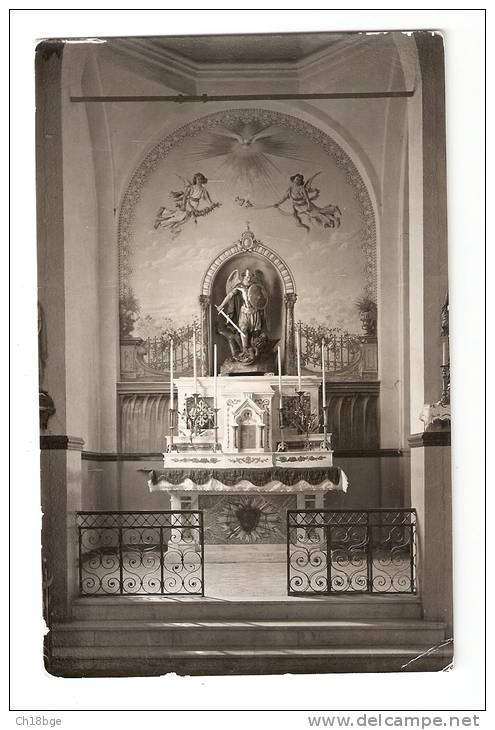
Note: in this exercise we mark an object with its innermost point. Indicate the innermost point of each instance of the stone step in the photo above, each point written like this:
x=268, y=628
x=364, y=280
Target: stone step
x=161, y=608
x=247, y=634
x=269, y=553
x=152, y=661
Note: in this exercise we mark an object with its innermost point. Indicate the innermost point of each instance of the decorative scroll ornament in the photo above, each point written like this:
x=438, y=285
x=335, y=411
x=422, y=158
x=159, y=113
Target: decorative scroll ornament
x=140, y=553
x=369, y=551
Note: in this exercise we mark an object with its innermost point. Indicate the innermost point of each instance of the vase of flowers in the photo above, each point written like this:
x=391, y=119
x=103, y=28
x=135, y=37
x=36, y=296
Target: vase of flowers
x=367, y=313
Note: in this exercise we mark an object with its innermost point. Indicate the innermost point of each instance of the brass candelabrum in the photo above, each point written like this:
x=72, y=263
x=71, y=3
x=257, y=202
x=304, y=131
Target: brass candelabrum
x=306, y=420
x=198, y=418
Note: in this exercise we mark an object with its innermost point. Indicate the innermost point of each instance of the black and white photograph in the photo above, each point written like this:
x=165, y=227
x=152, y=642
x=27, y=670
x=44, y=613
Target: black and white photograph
x=244, y=345
x=244, y=354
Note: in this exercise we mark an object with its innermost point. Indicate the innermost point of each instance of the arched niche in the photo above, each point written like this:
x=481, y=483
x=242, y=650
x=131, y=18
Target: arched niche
x=249, y=253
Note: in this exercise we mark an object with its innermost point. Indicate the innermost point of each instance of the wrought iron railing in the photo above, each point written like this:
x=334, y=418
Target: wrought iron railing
x=342, y=349
x=155, y=351
x=141, y=553
x=351, y=551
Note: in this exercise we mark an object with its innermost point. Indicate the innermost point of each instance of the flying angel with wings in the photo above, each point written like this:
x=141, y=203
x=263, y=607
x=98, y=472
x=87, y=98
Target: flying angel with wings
x=190, y=203
x=302, y=195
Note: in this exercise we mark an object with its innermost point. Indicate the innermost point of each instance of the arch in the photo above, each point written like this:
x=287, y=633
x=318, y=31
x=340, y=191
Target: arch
x=248, y=243
x=328, y=144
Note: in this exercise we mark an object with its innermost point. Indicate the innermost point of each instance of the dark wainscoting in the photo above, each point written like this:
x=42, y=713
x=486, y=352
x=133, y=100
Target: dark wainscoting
x=143, y=421
x=354, y=415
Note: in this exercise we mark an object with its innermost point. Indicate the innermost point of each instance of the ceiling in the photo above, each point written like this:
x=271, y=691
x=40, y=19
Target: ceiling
x=255, y=48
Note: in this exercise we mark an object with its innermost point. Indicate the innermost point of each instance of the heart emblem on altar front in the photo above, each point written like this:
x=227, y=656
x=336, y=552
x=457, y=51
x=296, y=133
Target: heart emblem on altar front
x=249, y=517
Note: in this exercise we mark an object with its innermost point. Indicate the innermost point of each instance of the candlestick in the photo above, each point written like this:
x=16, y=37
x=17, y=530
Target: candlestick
x=279, y=361
x=195, y=375
x=299, y=359
x=171, y=374
x=214, y=376
x=324, y=391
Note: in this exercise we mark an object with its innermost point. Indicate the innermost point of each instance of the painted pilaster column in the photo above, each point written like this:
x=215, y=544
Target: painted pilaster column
x=290, y=334
x=204, y=301
x=430, y=452
x=61, y=499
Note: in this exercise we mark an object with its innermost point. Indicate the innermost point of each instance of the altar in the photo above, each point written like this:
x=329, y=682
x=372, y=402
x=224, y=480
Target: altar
x=247, y=438
x=235, y=451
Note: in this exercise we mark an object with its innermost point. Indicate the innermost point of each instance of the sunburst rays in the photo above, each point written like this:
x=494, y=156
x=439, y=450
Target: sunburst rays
x=247, y=151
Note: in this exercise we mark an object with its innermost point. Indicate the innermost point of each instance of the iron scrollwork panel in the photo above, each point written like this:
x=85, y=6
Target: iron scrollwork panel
x=393, y=553
x=140, y=553
x=347, y=545
x=351, y=551
x=307, y=564
x=183, y=560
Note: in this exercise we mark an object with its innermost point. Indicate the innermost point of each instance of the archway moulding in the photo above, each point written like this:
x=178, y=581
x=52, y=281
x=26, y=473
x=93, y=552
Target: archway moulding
x=248, y=243
x=161, y=149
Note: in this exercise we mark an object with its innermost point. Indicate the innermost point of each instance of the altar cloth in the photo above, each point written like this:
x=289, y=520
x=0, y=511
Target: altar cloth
x=276, y=479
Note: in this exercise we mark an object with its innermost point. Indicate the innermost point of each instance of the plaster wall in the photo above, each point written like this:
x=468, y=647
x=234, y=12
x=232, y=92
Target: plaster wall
x=111, y=141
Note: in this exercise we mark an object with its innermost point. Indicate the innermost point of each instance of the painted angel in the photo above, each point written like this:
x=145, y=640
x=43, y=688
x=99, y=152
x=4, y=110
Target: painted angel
x=302, y=196
x=243, y=310
x=190, y=203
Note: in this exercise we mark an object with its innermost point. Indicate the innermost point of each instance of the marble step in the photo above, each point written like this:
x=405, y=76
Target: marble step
x=218, y=634
x=152, y=661
x=160, y=608
x=252, y=554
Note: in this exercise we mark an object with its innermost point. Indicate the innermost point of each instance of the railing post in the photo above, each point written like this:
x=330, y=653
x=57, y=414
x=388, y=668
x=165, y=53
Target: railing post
x=328, y=539
x=202, y=550
x=369, y=550
x=162, y=558
x=121, y=561
x=412, y=529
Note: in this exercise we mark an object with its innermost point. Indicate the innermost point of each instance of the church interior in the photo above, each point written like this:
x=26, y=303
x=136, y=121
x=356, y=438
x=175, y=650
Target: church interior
x=244, y=354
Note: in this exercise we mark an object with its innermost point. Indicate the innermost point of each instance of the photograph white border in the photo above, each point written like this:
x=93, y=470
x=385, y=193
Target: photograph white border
x=460, y=690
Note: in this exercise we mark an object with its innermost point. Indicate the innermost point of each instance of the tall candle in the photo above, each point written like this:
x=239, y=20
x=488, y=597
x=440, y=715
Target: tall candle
x=171, y=374
x=299, y=359
x=195, y=375
x=279, y=361
x=324, y=390
x=214, y=376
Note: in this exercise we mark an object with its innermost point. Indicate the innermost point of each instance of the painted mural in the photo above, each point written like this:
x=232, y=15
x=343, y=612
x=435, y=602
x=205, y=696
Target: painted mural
x=198, y=189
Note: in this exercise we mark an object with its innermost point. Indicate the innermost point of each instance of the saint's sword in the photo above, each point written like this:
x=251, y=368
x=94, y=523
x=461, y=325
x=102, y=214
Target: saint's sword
x=220, y=311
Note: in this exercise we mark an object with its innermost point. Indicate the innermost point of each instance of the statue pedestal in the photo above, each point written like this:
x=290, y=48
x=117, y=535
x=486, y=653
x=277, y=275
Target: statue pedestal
x=261, y=367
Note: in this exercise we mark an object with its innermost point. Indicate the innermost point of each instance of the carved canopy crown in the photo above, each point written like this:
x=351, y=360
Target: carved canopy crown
x=248, y=243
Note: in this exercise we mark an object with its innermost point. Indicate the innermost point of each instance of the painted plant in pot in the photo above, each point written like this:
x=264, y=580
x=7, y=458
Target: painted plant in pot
x=367, y=309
